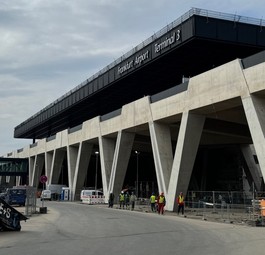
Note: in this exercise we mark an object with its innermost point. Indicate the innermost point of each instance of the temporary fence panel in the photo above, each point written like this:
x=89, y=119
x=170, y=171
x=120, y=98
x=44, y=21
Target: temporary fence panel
x=93, y=199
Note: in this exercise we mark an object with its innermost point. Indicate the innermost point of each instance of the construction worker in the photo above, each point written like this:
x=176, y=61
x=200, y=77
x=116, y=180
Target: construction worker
x=153, y=202
x=127, y=200
x=180, y=201
x=111, y=200
x=122, y=199
x=161, y=201
x=132, y=201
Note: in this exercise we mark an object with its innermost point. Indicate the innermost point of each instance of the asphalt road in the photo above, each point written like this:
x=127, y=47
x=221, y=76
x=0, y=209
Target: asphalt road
x=73, y=228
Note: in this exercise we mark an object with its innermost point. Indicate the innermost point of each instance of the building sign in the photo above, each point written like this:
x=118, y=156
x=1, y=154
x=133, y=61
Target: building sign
x=131, y=63
x=158, y=47
x=167, y=42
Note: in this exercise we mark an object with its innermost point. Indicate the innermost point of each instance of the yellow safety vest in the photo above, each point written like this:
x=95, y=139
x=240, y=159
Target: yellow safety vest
x=153, y=199
x=161, y=200
x=121, y=197
x=181, y=199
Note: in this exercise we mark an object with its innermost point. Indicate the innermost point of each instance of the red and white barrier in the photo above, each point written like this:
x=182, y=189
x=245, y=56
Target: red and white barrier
x=93, y=199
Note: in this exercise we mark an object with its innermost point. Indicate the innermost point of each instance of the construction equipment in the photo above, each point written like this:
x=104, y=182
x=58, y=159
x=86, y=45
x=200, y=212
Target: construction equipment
x=9, y=217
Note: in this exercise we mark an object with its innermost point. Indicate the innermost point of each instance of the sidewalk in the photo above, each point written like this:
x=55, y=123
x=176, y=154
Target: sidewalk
x=239, y=217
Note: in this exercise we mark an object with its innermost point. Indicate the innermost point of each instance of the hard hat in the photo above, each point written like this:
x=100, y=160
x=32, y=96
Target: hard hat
x=122, y=192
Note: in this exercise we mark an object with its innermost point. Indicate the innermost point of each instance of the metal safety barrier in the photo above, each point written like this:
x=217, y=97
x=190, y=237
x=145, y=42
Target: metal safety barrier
x=94, y=199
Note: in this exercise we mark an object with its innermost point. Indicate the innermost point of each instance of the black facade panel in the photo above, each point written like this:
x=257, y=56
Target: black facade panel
x=260, y=36
x=91, y=87
x=67, y=102
x=105, y=79
x=100, y=82
x=73, y=98
x=205, y=27
x=187, y=29
x=82, y=93
x=86, y=90
x=111, y=75
x=247, y=33
x=226, y=31
x=77, y=95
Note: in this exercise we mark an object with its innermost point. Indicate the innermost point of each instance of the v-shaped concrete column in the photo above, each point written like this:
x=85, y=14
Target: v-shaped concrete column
x=252, y=166
x=254, y=107
x=189, y=136
x=162, y=152
x=37, y=169
x=80, y=172
x=57, y=162
x=48, y=162
x=72, y=154
x=107, y=148
x=121, y=158
x=174, y=175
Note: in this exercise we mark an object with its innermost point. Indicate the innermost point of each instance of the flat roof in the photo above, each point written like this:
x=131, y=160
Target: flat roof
x=194, y=43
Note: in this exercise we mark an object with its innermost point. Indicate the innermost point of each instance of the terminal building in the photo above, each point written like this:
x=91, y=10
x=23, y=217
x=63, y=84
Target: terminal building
x=181, y=111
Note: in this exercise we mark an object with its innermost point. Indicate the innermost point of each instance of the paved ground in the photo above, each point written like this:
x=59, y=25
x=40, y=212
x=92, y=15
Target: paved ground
x=74, y=228
x=238, y=217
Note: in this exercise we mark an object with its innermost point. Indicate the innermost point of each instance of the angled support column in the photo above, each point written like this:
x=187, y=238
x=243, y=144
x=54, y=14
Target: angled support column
x=31, y=170
x=106, y=147
x=121, y=158
x=254, y=107
x=252, y=166
x=191, y=128
x=163, y=155
x=72, y=154
x=57, y=162
x=37, y=169
x=83, y=158
x=48, y=162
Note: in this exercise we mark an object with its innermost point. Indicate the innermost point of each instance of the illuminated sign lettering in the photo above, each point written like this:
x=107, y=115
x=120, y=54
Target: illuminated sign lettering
x=167, y=42
x=137, y=61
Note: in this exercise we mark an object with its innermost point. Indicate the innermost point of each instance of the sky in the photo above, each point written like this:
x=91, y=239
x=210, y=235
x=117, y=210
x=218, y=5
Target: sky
x=48, y=47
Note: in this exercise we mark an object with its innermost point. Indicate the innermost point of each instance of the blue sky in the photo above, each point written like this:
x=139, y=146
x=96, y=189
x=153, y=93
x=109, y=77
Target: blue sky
x=48, y=47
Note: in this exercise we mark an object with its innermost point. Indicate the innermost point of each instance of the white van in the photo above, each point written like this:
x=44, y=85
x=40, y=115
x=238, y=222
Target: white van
x=92, y=197
x=46, y=195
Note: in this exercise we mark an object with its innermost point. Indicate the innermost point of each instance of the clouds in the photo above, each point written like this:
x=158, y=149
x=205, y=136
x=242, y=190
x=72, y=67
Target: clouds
x=48, y=47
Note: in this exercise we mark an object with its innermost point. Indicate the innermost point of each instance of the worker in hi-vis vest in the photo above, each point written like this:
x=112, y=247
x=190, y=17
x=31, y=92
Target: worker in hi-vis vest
x=153, y=202
x=122, y=200
x=161, y=202
x=180, y=201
